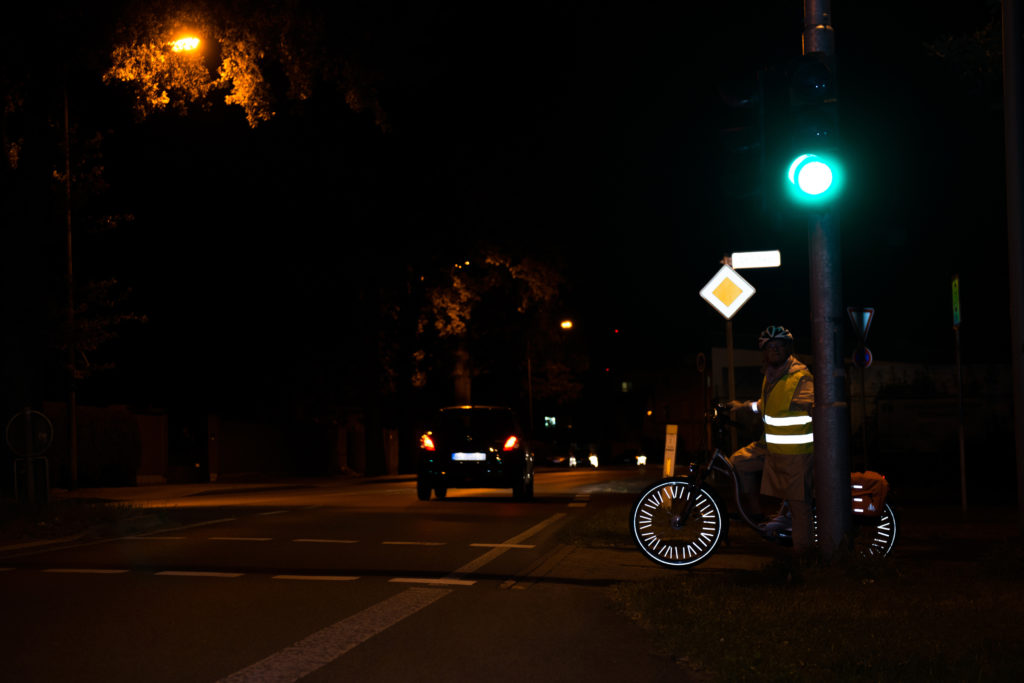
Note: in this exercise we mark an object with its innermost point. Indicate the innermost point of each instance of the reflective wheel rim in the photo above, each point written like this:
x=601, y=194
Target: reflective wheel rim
x=665, y=536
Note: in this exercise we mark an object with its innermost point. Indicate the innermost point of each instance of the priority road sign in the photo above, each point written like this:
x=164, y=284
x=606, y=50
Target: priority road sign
x=727, y=292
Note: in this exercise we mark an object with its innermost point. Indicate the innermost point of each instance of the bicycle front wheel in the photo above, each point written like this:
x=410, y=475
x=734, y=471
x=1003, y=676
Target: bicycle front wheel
x=875, y=536
x=677, y=524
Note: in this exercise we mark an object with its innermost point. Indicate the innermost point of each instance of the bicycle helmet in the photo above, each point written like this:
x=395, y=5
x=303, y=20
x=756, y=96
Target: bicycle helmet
x=774, y=332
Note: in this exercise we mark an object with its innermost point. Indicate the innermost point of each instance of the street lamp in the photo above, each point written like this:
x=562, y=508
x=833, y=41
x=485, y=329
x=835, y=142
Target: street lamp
x=566, y=324
x=184, y=44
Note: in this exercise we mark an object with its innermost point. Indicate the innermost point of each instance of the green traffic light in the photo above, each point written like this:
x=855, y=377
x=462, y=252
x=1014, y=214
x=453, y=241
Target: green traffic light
x=814, y=179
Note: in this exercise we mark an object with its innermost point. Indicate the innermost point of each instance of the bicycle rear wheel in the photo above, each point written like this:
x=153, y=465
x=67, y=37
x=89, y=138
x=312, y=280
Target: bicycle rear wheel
x=676, y=524
x=875, y=536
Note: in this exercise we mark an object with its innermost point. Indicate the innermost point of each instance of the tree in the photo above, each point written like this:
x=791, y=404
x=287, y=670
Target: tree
x=487, y=300
x=256, y=53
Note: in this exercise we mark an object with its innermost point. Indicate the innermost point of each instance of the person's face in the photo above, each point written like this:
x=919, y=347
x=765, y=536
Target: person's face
x=776, y=351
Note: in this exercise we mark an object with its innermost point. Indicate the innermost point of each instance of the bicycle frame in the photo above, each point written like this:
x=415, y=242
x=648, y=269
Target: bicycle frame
x=718, y=462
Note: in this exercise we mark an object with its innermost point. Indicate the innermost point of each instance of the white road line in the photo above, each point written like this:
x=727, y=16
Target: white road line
x=323, y=647
x=274, y=512
x=153, y=538
x=494, y=553
x=215, y=575
x=85, y=571
x=323, y=540
x=429, y=543
x=501, y=545
x=241, y=538
x=314, y=577
x=433, y=582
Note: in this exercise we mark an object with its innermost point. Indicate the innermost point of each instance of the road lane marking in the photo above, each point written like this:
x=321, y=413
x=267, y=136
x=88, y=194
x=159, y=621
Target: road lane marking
x=214, y=575
x=433, y=582
x=273, y=512
x=85, y=571
x=323, y=540
x=540, y=569
x=497, y=552
x=326, y=645
x=314, y=577
x=428, y=543
x=502, y=545
x=241, y=538
x=154, y=538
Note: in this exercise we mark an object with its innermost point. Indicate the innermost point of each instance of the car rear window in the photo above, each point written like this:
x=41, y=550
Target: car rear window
x=477, y=421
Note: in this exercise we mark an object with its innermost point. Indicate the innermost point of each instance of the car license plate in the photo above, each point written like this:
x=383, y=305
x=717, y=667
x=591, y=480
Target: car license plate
x=469, y=457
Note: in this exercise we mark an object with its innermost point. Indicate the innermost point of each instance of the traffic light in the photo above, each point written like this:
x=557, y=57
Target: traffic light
x=813, y=174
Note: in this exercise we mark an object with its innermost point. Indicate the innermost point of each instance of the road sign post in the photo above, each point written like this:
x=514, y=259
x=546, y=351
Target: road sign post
x=861, y=319
x=959, y=391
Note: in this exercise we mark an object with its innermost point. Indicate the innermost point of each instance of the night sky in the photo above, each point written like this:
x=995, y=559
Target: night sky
x=586, y=133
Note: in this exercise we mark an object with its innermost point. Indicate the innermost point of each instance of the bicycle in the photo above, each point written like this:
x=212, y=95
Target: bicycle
x=679, y=522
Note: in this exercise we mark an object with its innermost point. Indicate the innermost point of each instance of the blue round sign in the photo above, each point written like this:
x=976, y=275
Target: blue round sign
x=862, y=357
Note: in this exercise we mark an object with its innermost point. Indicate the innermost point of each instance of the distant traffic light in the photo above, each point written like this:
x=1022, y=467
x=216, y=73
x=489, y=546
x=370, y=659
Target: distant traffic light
x=813, y=174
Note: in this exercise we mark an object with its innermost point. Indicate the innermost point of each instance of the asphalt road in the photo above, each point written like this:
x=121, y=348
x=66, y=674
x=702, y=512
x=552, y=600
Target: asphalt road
x=330, y=582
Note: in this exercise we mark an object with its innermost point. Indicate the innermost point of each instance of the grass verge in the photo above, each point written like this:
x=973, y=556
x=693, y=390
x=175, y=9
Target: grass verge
x=22, y=523
x=851, y=620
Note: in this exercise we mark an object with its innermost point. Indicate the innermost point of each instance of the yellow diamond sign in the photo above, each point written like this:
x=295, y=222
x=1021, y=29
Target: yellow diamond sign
x=727, y=291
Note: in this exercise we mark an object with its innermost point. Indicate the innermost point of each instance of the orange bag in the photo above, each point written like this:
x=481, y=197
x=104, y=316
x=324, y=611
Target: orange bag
x=869, y=490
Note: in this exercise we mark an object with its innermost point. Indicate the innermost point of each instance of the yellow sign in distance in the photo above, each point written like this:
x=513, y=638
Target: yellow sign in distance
x=671, y=433
x=727, y=292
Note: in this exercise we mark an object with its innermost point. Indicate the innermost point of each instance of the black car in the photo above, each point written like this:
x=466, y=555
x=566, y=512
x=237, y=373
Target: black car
x=474, y=446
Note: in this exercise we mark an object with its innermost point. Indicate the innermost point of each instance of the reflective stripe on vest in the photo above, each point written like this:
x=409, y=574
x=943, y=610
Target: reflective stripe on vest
x=786, y=431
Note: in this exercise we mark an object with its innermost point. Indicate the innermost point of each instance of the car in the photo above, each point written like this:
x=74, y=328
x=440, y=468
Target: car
x=474, y=446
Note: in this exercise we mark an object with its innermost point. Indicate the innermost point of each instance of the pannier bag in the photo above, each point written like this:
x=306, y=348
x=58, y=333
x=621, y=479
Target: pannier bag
x=869, y=490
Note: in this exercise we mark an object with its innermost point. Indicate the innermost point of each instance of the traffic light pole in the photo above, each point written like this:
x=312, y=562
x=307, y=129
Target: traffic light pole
x=1013, y=109
x=831, y=411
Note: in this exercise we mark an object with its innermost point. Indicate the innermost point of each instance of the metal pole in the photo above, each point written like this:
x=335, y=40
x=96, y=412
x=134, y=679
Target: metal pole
x=831, y=411
x=1013, y=109
x=72, y=399
x=732, y=376
x=30, y=484
x=960, y=419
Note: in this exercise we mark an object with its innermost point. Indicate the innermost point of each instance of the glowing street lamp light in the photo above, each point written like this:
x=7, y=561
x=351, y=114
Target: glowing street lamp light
x=185, y=44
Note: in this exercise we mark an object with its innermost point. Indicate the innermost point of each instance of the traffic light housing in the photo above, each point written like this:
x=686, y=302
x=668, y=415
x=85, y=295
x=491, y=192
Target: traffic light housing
x=813, y=172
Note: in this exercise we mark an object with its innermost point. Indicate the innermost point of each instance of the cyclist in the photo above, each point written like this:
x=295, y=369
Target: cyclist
x=785, y=452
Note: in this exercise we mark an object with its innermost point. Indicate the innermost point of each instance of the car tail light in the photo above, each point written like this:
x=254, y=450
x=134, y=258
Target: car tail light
x=511, y=443
x=426, y=443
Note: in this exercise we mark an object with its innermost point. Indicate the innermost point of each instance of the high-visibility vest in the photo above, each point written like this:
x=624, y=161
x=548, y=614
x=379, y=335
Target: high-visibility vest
x=786, y=431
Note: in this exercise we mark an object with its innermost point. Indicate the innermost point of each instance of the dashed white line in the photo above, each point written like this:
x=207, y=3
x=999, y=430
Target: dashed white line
x=433, y=582
x=315, y=577
x=323, y=540
x=426, y=543
x=502, y=545
x=213, y=575
x=241, y=538
x=85, y=571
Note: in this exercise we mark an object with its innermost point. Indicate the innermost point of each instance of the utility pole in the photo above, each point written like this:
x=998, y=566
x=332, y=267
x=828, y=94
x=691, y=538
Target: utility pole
x=831, y=411
x=72, y=334
x=1013, y=109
